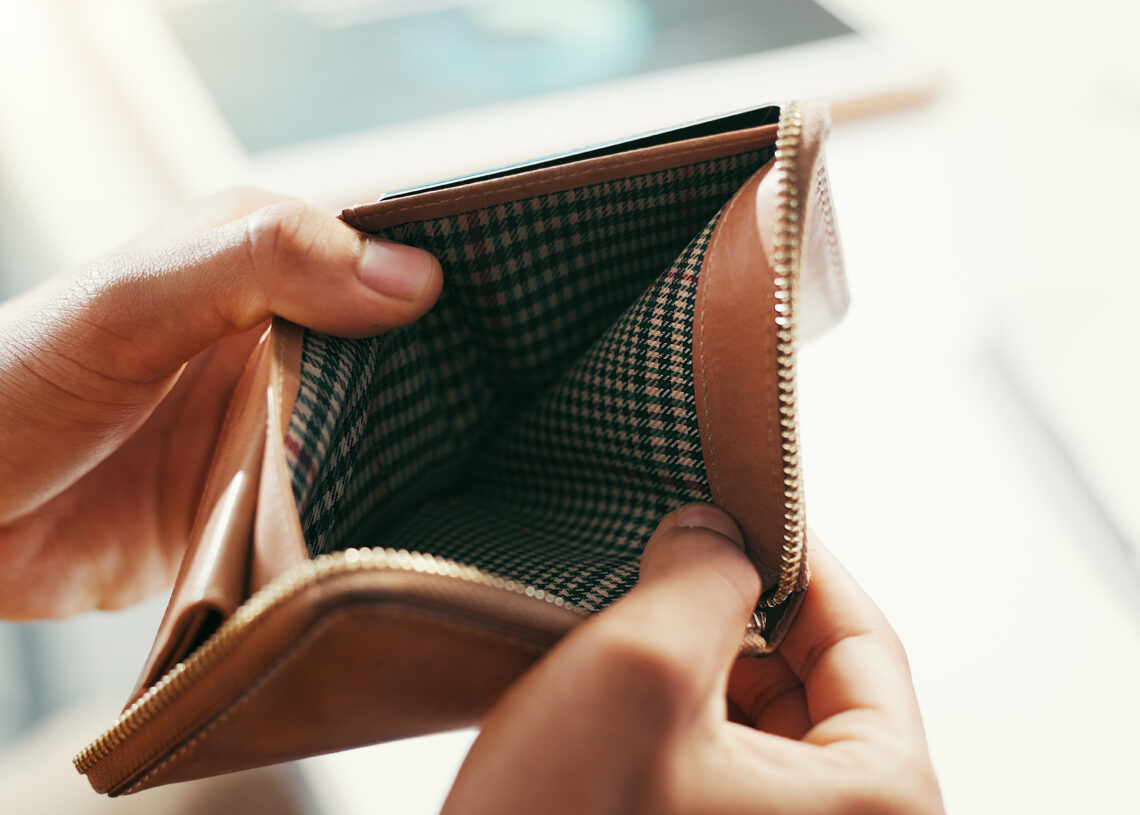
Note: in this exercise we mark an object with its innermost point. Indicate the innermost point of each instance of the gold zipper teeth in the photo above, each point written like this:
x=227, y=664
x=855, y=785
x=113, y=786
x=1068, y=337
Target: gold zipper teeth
x=786, y=257
x=230, y=634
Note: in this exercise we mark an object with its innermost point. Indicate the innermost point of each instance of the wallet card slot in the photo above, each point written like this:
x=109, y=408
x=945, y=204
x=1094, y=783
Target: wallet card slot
x=712, y=126
x=481, y=193
x=213, y=580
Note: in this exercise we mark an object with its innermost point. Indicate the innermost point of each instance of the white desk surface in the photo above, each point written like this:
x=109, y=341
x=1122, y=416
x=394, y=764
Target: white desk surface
x=925, y=475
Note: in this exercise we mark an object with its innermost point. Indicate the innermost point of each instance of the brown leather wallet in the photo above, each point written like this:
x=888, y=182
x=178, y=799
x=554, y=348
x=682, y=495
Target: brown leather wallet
x=617, y=337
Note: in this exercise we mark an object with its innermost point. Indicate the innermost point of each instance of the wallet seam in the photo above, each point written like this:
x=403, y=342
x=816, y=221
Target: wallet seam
x=224, y=715
x=834, y=256
x=282, y=519
x=406, y=611
x=458, y=205
x=710, y=263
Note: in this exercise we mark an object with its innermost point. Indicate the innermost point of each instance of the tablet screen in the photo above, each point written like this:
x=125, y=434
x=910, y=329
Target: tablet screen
x=284, y=72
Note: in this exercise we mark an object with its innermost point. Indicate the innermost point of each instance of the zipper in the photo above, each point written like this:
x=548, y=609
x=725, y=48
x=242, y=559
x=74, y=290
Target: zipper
x=790, y=204
x=456, y=577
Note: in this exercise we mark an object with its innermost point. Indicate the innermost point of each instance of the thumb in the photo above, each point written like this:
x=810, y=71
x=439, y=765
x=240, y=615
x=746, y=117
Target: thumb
x=145, y=313
x=592, y=727
x=697, y=590
x=85, y=360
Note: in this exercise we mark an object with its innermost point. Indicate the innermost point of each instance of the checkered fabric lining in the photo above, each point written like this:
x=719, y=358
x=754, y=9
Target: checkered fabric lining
x=540, y=419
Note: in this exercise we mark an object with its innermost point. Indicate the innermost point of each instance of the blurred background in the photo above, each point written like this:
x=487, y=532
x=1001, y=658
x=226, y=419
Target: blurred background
x=970, y=429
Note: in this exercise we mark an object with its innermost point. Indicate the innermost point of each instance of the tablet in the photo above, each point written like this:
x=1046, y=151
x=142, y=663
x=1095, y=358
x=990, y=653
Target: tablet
x=335, y=100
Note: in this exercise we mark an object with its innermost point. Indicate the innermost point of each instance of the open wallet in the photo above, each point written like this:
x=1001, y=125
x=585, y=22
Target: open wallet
x=394, y=529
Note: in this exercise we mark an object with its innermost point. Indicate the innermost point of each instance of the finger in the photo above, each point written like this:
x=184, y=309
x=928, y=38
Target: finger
x=679, y=629
x=150, y=310
x=627, y=681
x=698, y=586
x=769, y=696
x=847, y=655
x=94, y=354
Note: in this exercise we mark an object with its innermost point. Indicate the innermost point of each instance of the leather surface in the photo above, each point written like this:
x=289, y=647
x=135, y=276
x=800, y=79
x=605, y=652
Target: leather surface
x=372, y=217
x=735, y=349
x=212, y=581
x=824, y=296
x=419, y=691
x=352, y=659
x=247, y=489
x=736, y=403
x=278, y=543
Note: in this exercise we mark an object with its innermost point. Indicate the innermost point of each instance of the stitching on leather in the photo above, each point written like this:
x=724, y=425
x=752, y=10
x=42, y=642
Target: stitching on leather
x=282, y=518
x=278, y=376
x=279, y=381
x=718, y=232
x=828, y=216
x=232, y=708
x=446, y=621
x=560, y=173
x=550, y=184
x=834, y=258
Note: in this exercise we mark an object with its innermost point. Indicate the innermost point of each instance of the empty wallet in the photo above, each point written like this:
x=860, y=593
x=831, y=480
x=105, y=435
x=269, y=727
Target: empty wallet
x=394, y=529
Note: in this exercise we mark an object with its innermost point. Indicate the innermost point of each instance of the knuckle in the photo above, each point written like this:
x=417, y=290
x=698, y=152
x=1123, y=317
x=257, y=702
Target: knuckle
x=917, y=785
x=646, y=669
x=703, y=550
x=282, y=234
x=909, y=797
x=880, y=639
x=897, y=781
x=893, y=642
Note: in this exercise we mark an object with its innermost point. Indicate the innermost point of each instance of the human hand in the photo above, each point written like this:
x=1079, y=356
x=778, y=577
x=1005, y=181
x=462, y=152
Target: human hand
x=628, y=714
x=114, y=383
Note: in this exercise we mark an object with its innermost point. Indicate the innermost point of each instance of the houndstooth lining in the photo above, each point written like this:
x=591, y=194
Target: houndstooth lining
x=540, y=419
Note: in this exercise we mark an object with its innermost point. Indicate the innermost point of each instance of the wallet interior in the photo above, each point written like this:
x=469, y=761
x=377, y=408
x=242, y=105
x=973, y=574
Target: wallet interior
x=540, y=420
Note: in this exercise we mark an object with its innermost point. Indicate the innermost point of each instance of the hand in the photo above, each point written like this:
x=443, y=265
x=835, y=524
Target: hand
x=628, y=714
x=114, y=382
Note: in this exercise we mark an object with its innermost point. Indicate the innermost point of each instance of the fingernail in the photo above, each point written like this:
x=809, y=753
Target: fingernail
x=396, y=270
x=706, y=516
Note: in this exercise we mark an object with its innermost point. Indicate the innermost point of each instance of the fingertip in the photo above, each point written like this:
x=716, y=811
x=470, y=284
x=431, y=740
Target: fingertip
x=697, y=588
x=701, y=539
x=694, y=526
x=707, y=516
x=399, y=271
x=319, y=272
